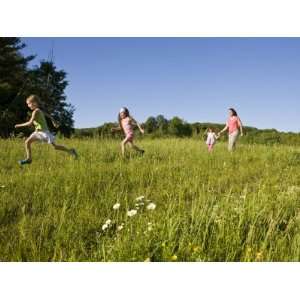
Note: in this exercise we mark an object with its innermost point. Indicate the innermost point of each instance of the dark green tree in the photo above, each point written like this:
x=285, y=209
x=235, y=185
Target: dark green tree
x=162, y=124
x=151, y=125
x=17, y=82
x=178, y=127
x=13, y=80
x=49, y=84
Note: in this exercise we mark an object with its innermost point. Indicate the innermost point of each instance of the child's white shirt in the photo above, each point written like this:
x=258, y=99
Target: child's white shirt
x=211, y=138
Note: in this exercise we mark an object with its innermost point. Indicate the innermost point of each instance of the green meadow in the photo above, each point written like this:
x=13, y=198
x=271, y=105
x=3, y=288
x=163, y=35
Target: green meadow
x=191, y=206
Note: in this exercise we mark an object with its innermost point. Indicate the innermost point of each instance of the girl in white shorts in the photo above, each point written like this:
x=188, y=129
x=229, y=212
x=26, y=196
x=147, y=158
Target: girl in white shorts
x=41, y=132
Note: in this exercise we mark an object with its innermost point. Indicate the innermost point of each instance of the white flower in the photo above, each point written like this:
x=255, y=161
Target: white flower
x=108, y=222
x=116, y=206
x=131, y=213
x=141, y=198
x=119, y=228
x=151, y=206
x=2, y=186
x=104, y=227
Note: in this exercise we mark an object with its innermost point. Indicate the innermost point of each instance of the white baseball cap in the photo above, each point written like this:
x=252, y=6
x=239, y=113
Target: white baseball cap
x=122, y=110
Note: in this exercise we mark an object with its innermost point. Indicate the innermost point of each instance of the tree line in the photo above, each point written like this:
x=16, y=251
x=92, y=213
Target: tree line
x=160, y=127
x=18, y=81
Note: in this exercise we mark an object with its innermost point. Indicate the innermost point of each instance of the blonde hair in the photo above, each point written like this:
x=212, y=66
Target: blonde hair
x=34, y=99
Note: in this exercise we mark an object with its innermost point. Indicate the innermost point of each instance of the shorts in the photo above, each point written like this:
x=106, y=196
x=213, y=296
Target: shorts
x=129, y=137
x=43, y=136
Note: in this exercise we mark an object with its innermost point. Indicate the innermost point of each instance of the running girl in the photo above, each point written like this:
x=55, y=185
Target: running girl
x=41, y=132
x=211, y=139
x=126, y=124
x=235, y=128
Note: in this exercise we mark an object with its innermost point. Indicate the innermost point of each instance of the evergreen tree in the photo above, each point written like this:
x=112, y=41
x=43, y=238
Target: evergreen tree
x=17, y=82
x=13, y=79
x=49, y=84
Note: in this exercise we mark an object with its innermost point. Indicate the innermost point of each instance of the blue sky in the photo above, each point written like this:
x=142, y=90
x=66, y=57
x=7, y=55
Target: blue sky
x=193, y=78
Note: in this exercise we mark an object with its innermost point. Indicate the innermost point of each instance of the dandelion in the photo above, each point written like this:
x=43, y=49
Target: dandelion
x=120, y=227
x=174, y=258
x=140, y=198
x=108, y=222
x=151, y=206
x=131, y=213
x=104, y=227
x=116, y=206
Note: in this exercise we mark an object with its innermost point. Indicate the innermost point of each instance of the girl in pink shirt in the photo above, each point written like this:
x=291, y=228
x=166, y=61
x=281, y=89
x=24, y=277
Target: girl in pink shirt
x=126, y=124
x=235, y=128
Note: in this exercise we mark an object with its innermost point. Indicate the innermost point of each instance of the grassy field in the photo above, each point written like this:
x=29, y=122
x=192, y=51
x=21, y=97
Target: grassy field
x=221, y=207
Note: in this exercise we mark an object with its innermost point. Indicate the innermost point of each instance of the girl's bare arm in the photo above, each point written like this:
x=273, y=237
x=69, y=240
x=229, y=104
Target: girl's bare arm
x=56, y=125
x=116, y=129
x=138, y=125
x=29, y=123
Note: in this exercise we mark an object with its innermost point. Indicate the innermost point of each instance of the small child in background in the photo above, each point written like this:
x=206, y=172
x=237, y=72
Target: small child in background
x=211, y=139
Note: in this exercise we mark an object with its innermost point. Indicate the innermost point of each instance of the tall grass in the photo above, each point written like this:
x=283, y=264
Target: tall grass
x=221, y=207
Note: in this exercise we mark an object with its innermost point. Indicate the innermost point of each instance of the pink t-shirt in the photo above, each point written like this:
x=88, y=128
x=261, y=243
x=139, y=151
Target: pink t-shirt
x=233, y=124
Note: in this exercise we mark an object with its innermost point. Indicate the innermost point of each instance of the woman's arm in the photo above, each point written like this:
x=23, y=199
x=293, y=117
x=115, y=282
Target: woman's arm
x=224, y=129
x=241, y=126
x=30, y=122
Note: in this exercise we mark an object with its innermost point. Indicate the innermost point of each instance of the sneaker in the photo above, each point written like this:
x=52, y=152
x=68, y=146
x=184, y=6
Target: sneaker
x=74, y=153
x=24, y=162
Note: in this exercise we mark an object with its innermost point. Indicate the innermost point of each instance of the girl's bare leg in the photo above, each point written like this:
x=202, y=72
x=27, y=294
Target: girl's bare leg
x=136, y=148
x=28, y=143
x=61, y=148
x=123, y=144
x=65, y=149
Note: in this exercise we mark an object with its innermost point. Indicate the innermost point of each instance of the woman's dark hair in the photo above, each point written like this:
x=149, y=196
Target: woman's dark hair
x=234, y=113
x=126, y=112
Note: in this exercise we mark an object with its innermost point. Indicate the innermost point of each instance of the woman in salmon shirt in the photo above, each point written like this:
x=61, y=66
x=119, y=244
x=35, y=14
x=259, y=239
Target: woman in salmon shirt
x=235, y=128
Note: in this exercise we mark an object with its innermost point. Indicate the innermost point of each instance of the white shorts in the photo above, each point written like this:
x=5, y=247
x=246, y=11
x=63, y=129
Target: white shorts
x=43, y=136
